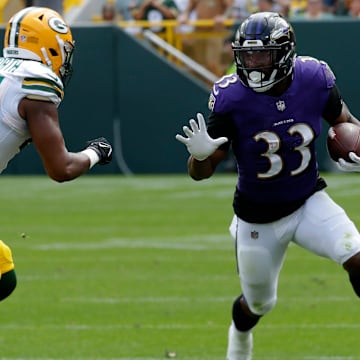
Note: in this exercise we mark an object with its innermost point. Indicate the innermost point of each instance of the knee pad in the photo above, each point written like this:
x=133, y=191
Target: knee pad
x=261, y=308
x=255, y=265
x=7, y=284
x=243, y=321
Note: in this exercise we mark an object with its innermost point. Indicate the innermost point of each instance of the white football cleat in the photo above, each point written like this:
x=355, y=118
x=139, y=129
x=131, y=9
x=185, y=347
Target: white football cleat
x=240, y=344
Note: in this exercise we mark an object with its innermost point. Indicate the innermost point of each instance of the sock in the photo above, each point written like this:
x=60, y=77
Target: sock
x=7, y=284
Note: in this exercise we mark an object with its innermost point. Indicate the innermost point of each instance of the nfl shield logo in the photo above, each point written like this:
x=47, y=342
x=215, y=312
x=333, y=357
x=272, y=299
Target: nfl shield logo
x=211, y=102
x=280, y=105
x=254, y=235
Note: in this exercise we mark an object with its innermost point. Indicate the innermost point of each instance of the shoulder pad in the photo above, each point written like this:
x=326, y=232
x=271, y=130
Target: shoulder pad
x=221, y=86
x=40, y=82
x=316, y=68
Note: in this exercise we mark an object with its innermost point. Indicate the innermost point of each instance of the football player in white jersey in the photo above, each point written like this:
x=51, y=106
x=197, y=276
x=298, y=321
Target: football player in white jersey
x=35, y=67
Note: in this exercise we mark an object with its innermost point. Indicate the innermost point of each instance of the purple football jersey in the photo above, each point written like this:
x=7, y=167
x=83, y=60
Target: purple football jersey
x=274, y=137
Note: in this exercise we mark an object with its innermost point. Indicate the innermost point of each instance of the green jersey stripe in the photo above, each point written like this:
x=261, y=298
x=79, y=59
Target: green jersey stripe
x=43, y=88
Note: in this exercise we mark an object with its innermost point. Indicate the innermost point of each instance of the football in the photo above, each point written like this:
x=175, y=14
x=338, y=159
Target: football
x=342, y=139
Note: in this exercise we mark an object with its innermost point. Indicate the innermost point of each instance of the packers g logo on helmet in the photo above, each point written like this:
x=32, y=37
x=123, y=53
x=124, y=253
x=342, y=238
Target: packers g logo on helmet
x=40, y=34
x=58, y=25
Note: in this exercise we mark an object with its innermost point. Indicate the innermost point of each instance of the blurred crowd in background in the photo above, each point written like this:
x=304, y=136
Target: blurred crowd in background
x=234, y=9
x=214, y=52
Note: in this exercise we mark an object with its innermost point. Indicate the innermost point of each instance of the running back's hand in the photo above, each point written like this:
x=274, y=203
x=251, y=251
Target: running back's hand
x=350, y=166
x=198, y=142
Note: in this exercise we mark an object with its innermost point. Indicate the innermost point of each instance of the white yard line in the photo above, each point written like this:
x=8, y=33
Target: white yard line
x=199, y=299
x=111, y=327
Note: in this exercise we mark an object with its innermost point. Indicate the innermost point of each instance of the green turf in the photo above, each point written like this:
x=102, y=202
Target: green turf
x=118, y=267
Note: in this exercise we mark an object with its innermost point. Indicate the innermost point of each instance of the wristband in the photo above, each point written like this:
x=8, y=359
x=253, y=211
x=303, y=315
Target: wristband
x=92, y=155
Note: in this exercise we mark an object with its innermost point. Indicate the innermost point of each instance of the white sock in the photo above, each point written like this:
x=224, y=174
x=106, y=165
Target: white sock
x=240, y=344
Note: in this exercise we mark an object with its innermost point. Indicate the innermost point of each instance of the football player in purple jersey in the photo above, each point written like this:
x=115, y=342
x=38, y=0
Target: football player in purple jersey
x=270, y=112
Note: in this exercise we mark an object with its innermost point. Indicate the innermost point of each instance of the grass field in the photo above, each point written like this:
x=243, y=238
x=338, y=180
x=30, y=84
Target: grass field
x=113, y=267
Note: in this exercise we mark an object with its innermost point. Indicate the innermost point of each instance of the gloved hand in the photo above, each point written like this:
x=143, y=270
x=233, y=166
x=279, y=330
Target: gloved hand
x=198, y=142
x=349, y=166
x=102, y=148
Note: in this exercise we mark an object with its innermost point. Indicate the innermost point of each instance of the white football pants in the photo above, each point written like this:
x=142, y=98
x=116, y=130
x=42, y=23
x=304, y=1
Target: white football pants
x=320, y=226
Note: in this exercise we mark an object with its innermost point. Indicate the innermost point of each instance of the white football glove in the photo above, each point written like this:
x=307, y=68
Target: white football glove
x=349, y=166
x=198, y=142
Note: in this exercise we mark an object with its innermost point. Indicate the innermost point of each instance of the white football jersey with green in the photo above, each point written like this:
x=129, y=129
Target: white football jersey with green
x=22, y=79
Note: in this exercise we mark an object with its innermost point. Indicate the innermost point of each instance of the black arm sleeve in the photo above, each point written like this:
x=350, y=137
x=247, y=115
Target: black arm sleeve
x=220, y=125
x=333, y=106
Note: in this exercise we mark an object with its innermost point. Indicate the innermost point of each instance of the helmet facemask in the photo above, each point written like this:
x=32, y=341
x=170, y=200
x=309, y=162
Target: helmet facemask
x=66, y=68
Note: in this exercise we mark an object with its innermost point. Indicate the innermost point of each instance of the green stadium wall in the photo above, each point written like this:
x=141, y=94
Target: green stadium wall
x=124, y=90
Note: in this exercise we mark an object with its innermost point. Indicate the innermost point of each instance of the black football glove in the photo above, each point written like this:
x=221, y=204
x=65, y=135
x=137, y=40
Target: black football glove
x=103, y=148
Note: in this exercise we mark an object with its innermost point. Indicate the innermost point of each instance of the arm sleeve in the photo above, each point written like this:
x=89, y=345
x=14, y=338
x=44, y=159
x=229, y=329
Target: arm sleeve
x=220, y=125
x=333, y=105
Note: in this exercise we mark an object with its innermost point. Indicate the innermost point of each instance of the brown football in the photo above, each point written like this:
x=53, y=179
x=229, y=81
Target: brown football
x=342, y=139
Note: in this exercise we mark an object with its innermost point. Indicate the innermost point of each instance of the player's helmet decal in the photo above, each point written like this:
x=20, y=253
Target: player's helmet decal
x=58, y=25
x=270, y=35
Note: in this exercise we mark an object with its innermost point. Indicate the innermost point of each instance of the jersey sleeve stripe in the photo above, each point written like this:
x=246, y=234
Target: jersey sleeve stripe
x=43, y=85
